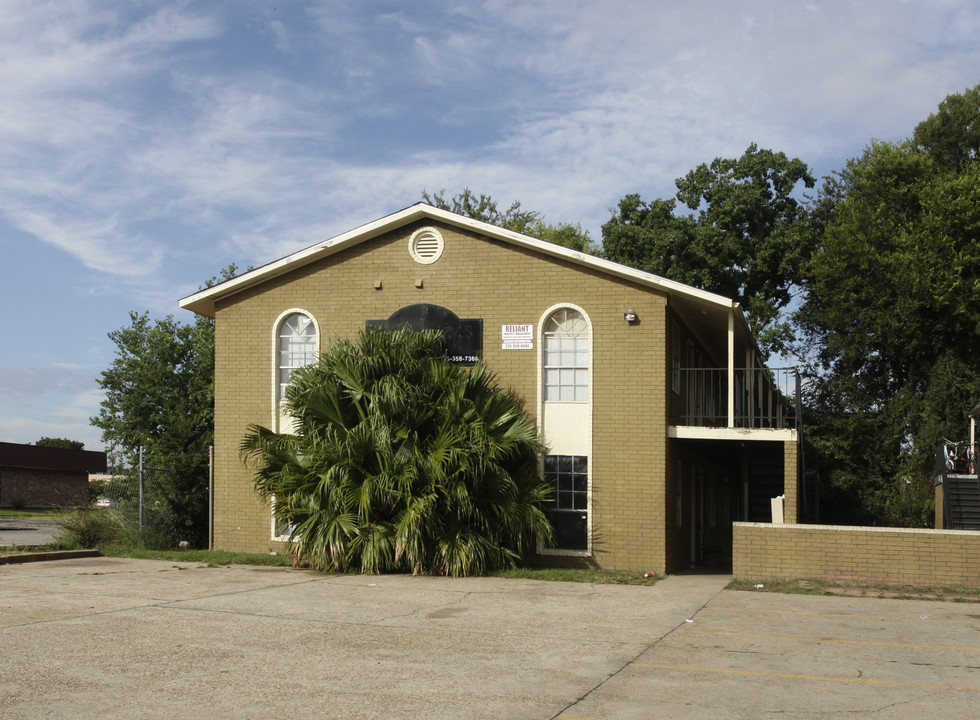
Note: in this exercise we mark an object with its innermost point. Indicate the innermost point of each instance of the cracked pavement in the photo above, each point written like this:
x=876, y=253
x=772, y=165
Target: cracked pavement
x=119, y=638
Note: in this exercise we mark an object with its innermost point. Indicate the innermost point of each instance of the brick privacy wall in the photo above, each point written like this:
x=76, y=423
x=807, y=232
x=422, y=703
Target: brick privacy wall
x=476, y=277
x=763, y=551
x=939, y=507
x=43, y=488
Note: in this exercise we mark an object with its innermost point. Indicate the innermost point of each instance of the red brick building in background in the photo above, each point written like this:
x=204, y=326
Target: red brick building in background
x=42, y=477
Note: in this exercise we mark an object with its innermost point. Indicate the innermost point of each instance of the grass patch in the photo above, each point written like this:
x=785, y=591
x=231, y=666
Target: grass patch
x=209, y=557
x=848, y=588
x=30, y=513
x=218, y=558
x=22, y=549
x=583, y=575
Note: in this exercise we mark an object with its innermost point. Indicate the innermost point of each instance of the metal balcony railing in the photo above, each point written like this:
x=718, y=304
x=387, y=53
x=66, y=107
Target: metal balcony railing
x=763, y=398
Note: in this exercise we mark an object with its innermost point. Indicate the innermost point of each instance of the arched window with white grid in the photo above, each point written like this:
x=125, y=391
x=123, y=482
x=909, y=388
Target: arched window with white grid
x=566, y=356
x=298, y=345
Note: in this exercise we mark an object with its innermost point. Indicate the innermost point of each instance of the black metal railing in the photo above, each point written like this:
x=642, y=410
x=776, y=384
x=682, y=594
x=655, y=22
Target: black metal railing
x=763, y=398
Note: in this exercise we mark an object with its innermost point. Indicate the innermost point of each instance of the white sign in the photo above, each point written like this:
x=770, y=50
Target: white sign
x=517, y=337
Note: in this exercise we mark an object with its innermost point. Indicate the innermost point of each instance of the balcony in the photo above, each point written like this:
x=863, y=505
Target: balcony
x=743, y=398
x=956, y=471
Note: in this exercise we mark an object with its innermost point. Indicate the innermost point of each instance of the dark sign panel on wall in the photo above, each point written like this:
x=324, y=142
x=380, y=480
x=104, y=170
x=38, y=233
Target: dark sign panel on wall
x=464, y=338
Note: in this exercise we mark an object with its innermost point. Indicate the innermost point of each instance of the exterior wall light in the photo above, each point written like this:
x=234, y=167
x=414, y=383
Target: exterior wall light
x=629, y=316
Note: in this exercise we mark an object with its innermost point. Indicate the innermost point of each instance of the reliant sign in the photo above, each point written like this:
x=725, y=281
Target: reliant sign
x=517, y=337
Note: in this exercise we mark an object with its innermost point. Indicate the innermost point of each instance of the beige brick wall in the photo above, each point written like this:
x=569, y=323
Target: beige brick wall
x=475, y=278
x=939, y=507
x=899, y=555
x=790, y=484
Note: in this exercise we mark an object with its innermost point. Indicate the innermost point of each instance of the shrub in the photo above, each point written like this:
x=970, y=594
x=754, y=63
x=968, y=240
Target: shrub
x=401, y=460
x=89, y=528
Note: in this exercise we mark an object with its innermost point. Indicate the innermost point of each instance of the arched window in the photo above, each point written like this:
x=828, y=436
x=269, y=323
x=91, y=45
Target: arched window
x=566, y=425
x=566, y=356
x=297, y=343
x=298, y=346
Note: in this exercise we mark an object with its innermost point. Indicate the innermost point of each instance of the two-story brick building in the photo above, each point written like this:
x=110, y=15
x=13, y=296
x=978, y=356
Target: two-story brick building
x=661, y=423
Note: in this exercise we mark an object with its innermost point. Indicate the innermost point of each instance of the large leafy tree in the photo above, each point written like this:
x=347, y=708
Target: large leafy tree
x=892, y=313
x=159, y=395
x=527, y=222
x=401, y=460
x=748, y=236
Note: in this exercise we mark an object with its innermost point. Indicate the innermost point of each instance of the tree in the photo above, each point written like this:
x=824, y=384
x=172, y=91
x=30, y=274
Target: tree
x=749, y=240
x=892, y=310
x=401, y=460
x=526, y=222
x=951, y=136
x=60, y=443
x=159, y=395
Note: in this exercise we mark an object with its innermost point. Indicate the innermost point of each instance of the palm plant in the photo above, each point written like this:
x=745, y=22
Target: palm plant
x=401, y=460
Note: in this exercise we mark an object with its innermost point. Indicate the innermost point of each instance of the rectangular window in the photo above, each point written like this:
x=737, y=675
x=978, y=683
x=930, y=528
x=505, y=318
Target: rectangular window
x=566, y=368
x=569, y=506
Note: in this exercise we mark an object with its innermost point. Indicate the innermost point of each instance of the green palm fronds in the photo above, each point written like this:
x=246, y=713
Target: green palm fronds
x=402, y=461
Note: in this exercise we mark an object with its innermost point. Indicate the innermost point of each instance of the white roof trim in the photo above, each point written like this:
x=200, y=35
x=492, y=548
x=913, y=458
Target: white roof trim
x=203, y=301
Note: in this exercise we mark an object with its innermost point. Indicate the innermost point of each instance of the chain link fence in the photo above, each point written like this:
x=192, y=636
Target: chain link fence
x=162, y=502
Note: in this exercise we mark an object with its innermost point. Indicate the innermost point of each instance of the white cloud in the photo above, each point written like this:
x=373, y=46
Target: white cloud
x=282, y=37
x=633, y=95
x=119, y=121
x=71, y=117
x=98, y=245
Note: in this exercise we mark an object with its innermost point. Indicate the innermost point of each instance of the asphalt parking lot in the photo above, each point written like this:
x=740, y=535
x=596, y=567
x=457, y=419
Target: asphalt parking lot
x=30, y=531
x=117, y=638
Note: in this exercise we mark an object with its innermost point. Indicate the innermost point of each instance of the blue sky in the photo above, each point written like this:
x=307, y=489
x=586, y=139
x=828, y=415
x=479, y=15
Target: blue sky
x=146, y=145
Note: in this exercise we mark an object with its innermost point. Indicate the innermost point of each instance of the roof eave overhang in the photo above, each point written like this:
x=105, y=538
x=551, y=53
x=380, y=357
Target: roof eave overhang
x=203, y=302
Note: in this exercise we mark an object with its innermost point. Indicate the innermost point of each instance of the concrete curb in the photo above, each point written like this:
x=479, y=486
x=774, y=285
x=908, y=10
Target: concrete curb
x=41, y=556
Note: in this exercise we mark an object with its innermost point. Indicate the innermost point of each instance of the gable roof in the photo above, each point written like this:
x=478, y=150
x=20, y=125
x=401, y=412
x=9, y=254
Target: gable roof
x=709, y=306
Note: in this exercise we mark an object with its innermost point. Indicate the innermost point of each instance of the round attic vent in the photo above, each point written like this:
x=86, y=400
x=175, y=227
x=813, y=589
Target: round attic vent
x=426, y=245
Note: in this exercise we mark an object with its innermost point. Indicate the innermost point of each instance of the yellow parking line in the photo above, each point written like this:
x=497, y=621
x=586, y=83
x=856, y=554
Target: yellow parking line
x=787, y=676
x=832, y=640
